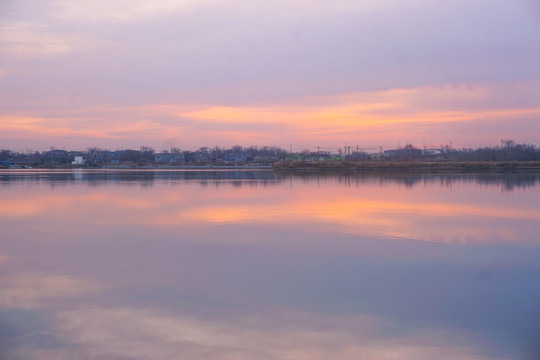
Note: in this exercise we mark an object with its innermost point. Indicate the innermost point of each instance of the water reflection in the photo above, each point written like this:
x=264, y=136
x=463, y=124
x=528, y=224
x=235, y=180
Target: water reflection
x=504, y=181
x=253, y=265
x=137, y=177
x=450, y=208
x=507, y=182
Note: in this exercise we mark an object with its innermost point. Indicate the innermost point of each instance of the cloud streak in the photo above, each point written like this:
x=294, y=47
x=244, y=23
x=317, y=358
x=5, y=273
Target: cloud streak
x=417, y=115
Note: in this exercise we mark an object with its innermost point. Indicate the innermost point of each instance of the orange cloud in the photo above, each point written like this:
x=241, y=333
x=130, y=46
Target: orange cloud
x=359, y=111
x=379, y=118
x=65, y=127
x=48, y=127
x=374, y=116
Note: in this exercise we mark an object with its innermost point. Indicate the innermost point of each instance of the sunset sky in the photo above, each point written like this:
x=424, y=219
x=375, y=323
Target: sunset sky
x=191, y=73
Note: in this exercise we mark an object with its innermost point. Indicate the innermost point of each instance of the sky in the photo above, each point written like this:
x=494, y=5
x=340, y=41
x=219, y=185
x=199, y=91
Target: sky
x=183, y=73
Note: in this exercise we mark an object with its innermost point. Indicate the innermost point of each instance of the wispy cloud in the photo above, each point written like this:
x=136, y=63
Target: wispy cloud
x=27, y=40
x=374, y=118
x=291, y=71
x=118, y=10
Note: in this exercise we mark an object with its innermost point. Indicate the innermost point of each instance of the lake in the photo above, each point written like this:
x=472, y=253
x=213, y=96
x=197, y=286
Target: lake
x=255, y=265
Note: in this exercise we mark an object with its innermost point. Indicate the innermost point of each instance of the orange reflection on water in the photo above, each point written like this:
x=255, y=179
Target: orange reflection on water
x=433, y=212
x=299, y=268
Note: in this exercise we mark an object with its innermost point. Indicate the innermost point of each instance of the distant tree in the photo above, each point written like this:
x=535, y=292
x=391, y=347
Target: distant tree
x=146, y=155
x=5, y=154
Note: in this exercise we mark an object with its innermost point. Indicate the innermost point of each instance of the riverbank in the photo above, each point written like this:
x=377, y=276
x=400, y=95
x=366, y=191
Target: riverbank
x=337, y=165
x=415, y=166
x=139, y=167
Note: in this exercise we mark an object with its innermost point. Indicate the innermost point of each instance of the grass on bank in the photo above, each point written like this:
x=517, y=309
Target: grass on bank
x=421, y=165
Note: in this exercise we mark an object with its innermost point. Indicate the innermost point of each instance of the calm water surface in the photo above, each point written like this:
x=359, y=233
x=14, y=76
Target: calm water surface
x=252, y=265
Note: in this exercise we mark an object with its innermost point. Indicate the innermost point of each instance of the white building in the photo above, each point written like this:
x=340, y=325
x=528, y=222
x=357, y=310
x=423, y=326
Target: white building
x=78, y=160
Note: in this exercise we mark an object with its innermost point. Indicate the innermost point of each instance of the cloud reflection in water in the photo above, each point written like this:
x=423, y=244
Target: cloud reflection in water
x=268, y=267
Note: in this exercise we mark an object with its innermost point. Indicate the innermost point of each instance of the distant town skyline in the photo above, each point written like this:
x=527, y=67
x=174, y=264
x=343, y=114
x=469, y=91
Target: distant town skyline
x=118, y=74
x=292, y=148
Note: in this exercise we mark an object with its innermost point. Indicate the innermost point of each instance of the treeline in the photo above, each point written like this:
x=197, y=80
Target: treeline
x=143, y=156
x=508, y=150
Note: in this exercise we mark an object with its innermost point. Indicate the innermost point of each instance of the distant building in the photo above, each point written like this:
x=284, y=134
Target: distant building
x=431, y=152
x=234, y=157
x=267, y=159
x=391, y=153
x=95, y=156
x=169, y=158
x=201, y=157
x=78, y=160
x=57, y=156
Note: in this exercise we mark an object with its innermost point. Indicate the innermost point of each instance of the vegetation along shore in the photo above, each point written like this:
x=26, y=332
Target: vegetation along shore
x=509, y=156
x=419, y=165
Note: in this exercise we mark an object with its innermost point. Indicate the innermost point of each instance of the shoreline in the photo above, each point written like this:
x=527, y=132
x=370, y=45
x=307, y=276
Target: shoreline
x=142, y=167
x=409, y=166
x=326, y=166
